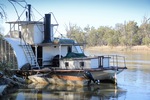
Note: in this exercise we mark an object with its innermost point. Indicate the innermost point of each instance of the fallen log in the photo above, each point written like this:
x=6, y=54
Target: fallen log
x=7, y=84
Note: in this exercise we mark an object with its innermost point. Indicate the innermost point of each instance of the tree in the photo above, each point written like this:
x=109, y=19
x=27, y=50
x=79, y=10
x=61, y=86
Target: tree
x=86, y=30
x=2, y=11
x=144, y=31
x=101, y=32
x=75, y=32
x=121, y=33
x=92, y=37
x=131, y=30
x=112, y=39
x=128, y=34
x=2, y=16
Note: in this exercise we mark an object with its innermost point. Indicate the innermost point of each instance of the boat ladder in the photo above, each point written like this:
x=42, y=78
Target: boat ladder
x=31, y=58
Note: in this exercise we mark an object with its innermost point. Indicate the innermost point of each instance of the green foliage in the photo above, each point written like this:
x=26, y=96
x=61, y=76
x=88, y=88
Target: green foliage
x=127, y=34
x=146, y=41
x=5, y=65
x=75, y=32
x=91, y=39
x=5, y=68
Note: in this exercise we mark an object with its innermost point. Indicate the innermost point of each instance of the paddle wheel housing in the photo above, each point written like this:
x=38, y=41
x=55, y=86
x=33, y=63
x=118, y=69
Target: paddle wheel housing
x=7, y=54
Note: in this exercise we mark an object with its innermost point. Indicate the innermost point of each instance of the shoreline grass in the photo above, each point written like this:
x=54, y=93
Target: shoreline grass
x=134, y=49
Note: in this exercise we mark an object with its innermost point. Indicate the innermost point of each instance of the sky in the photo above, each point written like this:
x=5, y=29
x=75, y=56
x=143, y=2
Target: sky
x=94, y=13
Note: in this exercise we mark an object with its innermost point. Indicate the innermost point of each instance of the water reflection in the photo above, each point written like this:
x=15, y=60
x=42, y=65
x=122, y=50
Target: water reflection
x=55, y=92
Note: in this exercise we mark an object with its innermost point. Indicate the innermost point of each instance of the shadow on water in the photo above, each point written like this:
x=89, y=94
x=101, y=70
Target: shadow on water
x=55, y=92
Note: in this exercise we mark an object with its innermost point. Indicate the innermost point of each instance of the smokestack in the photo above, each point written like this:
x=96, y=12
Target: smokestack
x=29, y=12
x=47, y=28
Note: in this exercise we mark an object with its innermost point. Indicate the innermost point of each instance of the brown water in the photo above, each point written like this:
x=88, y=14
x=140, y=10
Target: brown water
x=133, y=84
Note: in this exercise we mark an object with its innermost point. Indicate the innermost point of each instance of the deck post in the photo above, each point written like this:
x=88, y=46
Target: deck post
x=36, y=55
x=117, y=61
x=1, y=50
x=100, y=61
x=59, y=54
x=115, y=78
x=5, y=58
x=10, y=30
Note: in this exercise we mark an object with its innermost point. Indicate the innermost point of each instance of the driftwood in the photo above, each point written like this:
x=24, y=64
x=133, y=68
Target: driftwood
x=10, y=83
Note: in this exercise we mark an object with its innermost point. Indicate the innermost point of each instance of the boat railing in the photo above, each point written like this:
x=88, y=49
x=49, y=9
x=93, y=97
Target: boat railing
x=116, y=60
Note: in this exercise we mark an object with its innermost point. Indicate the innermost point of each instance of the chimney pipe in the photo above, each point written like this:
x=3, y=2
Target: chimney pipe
x=29, y=12
x=47, y=28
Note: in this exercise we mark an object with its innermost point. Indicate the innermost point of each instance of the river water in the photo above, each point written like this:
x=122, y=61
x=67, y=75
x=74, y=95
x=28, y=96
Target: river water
x=133, y=84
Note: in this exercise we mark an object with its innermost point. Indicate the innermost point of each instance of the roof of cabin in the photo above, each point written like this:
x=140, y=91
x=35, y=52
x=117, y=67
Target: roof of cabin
x=25, y=22
x=63, y=42
x=28, y=22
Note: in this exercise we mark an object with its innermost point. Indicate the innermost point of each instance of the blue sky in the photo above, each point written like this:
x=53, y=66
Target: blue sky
x=87, y=12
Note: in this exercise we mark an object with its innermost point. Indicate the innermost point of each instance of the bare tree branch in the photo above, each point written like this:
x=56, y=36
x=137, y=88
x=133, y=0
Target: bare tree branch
x=2, y=12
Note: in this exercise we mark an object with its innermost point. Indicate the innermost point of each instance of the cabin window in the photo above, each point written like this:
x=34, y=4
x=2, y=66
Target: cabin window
x=69, y=49
x=66, y=64
x=82, y=64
